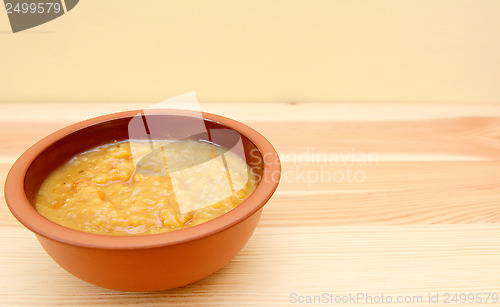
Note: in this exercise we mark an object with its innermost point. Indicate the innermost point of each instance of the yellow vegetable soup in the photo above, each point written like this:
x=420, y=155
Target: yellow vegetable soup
x=137, y=187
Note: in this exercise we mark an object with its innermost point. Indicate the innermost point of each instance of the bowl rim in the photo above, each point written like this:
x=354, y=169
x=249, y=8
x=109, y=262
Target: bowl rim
x=27, y=215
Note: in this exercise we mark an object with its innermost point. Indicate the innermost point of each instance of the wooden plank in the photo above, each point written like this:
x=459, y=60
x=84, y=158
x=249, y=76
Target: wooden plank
x=54, y=112
x=439, y=192
x=469, y=137
x=389, y=260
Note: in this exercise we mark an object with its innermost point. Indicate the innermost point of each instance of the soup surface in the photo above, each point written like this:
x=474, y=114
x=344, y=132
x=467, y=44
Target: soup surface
x=137, y=187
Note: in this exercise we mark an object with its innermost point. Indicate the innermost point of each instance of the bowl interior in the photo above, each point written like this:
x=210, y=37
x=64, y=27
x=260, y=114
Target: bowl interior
x=165, y=126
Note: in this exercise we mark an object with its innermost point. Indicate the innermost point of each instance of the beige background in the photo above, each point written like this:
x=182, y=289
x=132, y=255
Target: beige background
x=279, y=50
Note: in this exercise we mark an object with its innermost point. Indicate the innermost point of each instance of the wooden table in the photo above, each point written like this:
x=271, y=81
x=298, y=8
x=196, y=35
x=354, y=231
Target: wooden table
x=419, y=214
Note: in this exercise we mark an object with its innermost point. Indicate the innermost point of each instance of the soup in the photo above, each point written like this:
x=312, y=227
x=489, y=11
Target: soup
x=136, y=187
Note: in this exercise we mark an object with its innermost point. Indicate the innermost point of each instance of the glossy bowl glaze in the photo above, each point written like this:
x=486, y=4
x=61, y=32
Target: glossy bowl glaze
x=141, y=262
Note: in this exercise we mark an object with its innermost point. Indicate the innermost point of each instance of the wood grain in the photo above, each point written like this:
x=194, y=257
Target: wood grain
x=425, y=218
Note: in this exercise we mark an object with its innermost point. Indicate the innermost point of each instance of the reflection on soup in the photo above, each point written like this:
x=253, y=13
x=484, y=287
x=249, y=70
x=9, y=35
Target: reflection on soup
x=136, y=187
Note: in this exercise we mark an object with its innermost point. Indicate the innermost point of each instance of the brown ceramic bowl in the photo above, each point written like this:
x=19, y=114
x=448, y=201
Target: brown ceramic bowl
x=142, y=262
